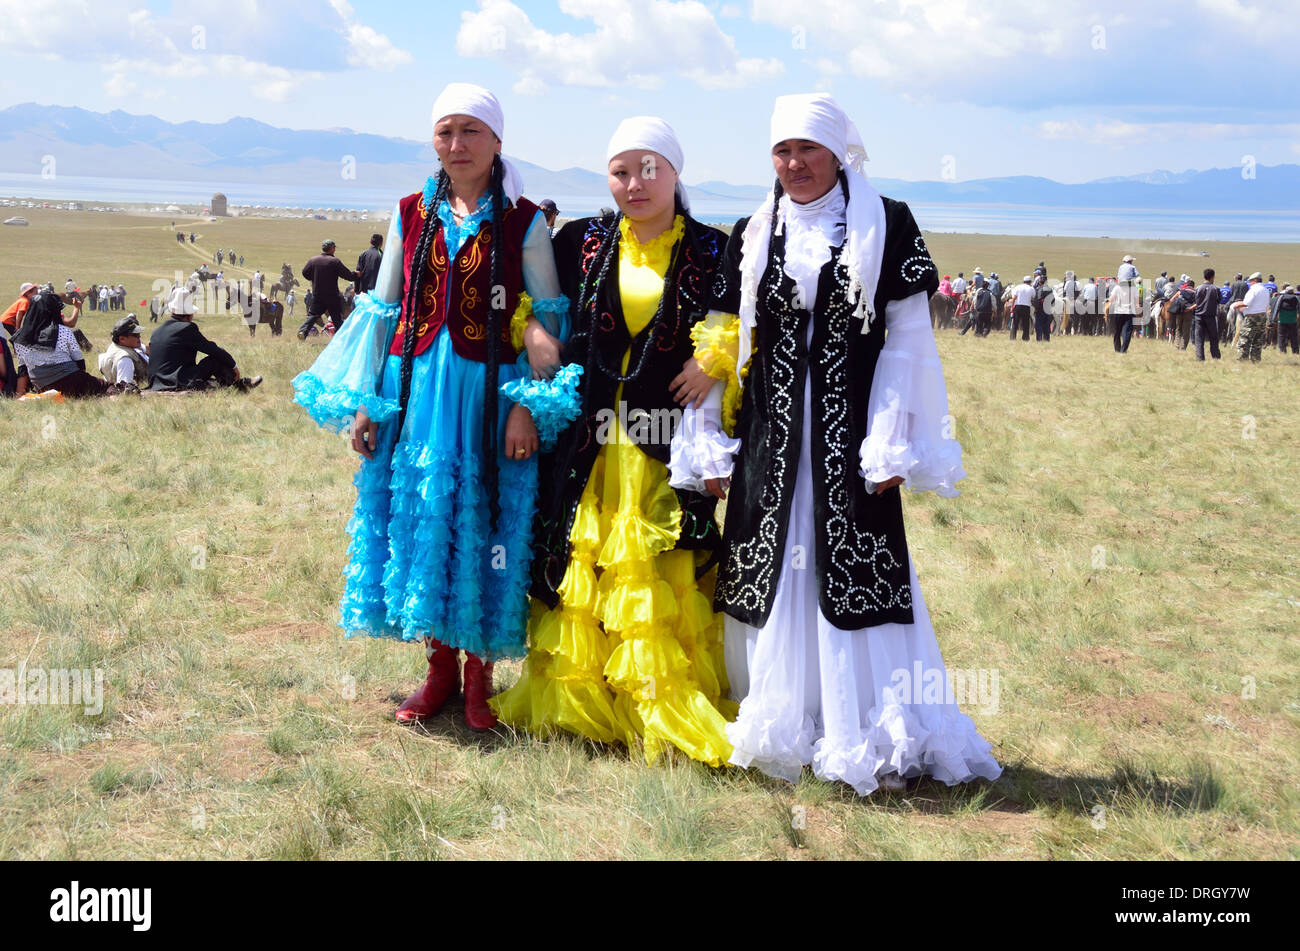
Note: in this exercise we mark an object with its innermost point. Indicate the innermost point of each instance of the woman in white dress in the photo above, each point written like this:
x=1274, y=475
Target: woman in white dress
x=826, y=627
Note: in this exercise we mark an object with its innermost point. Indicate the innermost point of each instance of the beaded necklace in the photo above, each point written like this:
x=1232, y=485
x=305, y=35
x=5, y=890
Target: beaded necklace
x=589, y=293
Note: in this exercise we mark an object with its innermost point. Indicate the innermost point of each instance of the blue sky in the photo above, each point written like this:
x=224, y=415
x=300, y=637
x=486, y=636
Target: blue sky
x=1071, y=90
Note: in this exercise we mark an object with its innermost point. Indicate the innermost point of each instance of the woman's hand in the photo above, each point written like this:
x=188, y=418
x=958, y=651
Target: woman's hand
x=521, y=434
x=889, y=484
x=543, y=350
x=365, y=434
x=692, y=385
x=717, y=487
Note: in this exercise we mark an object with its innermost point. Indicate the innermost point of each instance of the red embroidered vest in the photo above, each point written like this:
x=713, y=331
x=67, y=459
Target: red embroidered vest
x=468, y=288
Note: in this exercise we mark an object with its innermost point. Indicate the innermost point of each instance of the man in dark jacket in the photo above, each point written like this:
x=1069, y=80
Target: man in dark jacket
x=1205, y=319
x=174, y=346
x=368, y=264
x=325, y=271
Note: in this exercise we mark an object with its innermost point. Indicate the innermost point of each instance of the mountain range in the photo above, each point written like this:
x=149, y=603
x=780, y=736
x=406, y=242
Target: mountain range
x=121, y=145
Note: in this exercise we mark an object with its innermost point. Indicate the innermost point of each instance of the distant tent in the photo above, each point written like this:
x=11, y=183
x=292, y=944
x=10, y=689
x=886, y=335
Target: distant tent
x=172, y=208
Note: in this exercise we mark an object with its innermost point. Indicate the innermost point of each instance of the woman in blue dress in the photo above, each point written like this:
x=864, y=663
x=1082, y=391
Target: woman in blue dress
x=467, y=309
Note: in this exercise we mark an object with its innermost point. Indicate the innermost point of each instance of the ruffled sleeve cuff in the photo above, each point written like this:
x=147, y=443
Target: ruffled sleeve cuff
x=553, y=312
x=910, y=432
x=717, y=346
x=553, y=403
x=346, y=374
x=700, y=450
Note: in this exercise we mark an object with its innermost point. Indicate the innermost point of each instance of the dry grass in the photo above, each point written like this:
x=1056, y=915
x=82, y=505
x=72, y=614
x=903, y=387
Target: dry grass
x=231, y=729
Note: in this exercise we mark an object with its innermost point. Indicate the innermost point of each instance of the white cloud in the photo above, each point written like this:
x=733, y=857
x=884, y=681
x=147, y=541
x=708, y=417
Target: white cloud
x=1019, y=52
x=1233, y=10
x=272, y=48
x=371, y=50
x=904, y=42
x=119, y=85
x=637, y=42
x=273, y=83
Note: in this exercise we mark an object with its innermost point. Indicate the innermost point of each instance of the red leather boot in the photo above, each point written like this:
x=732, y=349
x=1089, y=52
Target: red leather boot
x=442, y=682
x=478, y=686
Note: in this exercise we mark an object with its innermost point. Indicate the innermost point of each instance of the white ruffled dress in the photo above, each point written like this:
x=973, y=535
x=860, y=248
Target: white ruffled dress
x=810, y=693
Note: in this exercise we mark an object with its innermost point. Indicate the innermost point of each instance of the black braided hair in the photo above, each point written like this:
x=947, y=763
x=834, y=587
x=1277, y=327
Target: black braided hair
x=589, y=295
x=599, y=265
x=495, y=317
x=418, y=266
x=777, y=192
x=588, y=304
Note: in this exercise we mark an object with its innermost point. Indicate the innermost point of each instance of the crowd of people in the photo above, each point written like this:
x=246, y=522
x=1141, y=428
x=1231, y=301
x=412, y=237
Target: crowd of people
x=98, y=297
x=1254, y=312
x=43, y=354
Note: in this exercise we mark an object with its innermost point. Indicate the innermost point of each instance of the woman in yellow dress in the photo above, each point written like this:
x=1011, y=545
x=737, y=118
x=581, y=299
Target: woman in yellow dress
x=624, y=646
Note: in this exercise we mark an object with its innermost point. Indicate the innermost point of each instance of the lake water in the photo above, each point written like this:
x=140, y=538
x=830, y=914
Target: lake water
x=961, y=218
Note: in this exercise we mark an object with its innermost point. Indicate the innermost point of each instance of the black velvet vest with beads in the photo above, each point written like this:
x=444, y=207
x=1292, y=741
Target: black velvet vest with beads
x=696, y=276
x=861, y=559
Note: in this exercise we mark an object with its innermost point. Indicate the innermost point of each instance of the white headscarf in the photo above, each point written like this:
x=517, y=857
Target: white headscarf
x=818, y=118
x=649, y=133
x=466, y=99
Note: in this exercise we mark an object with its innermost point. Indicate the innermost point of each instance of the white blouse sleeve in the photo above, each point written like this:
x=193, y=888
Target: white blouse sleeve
x=909, y=429
x=542, y=281
x=700, y=450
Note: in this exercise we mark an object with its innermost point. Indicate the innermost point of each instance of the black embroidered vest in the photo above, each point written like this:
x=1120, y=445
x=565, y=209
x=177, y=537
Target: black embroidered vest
x=696, y=276
x=861, y=559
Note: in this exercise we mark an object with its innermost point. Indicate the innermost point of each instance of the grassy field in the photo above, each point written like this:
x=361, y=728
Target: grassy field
x=1124, y=554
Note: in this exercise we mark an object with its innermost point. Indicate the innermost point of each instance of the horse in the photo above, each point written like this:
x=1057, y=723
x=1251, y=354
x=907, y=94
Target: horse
x=943, y=310
x=272, y=312
x=268, y=312
x=286, y=283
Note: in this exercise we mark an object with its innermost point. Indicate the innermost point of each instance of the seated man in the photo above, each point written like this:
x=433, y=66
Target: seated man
x=174, y=346
x=125, y=363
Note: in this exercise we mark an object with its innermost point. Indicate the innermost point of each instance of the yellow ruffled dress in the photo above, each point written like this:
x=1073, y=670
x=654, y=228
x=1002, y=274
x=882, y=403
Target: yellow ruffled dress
x=633, y=653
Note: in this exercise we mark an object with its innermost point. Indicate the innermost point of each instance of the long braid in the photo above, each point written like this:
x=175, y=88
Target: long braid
x=419, y=264
x=588, y=297
x=607, y=254
x=495, y=316
x=600, y=266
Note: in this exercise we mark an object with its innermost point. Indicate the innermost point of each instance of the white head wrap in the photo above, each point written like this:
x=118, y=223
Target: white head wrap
x=818, y=118
x=466, y=99
x=648, y=133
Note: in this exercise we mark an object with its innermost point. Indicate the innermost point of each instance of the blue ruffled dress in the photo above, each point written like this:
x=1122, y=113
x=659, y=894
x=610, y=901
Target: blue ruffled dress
x=422, y=559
